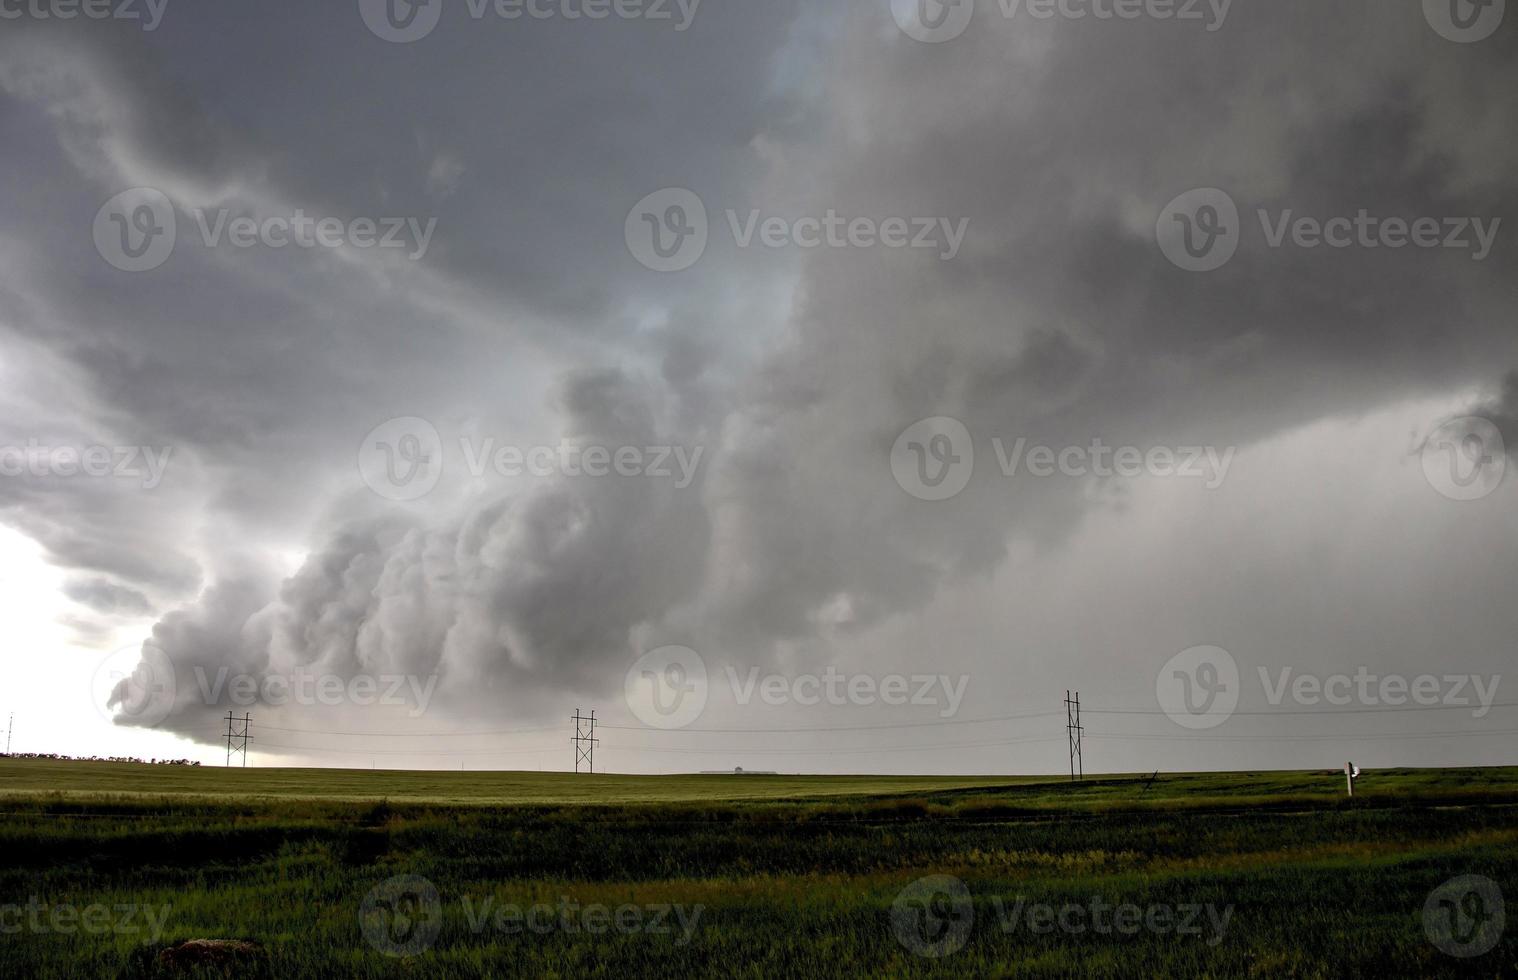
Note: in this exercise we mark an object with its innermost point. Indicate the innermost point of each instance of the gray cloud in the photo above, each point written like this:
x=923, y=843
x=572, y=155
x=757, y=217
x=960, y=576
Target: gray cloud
x=1060, y=320
x=108, y=597
x=1503, y=413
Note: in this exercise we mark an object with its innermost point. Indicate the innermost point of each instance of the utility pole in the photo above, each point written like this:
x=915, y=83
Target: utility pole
x=241, y=737
x=585, y=740
x=1073, y=733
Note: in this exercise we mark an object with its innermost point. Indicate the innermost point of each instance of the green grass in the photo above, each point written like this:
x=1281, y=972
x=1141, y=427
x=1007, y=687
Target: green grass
x=792, y=876
x=29, y=776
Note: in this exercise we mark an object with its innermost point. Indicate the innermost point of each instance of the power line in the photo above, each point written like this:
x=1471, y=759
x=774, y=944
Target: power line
x=937, y=723
x=997, y=743
x=1337, y=737
x=656, y=731
x=585, y=740
x=855, y=751
x=632, y=749
x=1327, y=711
x=802, y=730
x=1025, y=740
x=395, y=734
x=663, y=749
x=832, y=728
x=449, y=752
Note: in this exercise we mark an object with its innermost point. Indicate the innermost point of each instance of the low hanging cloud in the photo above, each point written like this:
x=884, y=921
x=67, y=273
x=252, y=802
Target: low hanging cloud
x=521, y=596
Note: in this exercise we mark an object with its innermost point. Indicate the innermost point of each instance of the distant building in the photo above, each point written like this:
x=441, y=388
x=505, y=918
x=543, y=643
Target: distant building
x=736, y=771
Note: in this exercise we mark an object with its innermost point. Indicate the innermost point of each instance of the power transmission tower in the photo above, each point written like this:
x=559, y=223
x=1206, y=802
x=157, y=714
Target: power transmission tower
x=585, y=740
x=240, y=737
x=1073, y=732
x=9, y=728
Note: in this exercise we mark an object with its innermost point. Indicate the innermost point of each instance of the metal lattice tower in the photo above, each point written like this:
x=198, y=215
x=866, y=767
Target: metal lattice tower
x=238, y=739
x=1073, y=732
x=585, y=740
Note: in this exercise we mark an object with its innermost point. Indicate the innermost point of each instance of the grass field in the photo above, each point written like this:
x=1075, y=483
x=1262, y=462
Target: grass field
x=378, y=874
x=95, y=778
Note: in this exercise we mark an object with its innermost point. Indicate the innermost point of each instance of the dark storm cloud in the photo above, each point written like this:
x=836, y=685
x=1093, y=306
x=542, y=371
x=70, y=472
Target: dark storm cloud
x=267, y=368
x=1059, y=320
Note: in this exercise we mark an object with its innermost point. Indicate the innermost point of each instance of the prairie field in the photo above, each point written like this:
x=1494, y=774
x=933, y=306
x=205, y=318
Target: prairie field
x=327, y=873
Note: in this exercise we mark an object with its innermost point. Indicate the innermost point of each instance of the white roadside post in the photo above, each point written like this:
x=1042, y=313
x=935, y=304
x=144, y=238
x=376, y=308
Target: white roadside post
x=1351, y=773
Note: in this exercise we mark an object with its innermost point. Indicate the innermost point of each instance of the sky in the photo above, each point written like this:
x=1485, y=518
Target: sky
x=824, y=387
